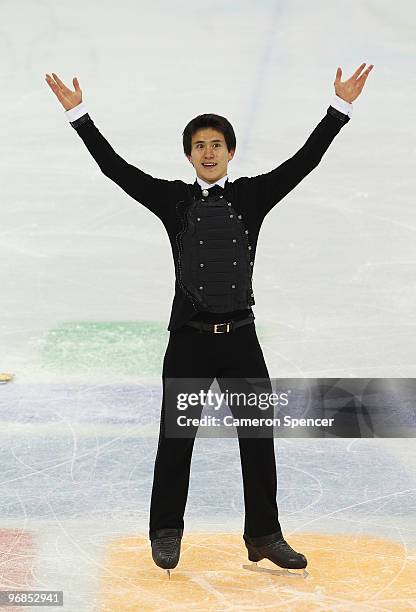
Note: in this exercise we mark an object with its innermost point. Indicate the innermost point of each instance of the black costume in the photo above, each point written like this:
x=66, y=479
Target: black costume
x=213, y=236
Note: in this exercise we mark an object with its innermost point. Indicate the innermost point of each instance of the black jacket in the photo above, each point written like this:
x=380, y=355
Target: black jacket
x=253, y=196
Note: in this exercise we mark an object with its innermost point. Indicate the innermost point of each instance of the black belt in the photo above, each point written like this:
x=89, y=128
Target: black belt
x=220, y=328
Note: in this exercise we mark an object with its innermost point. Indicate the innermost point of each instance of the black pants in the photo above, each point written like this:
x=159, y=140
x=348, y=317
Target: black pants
x=191, y=353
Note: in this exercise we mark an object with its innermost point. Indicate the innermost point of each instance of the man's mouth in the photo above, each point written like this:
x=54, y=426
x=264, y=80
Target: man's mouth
x=209, y=165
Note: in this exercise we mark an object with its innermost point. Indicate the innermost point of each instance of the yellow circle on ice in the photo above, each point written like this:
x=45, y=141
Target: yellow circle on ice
x=345, y=572
x=5, y=377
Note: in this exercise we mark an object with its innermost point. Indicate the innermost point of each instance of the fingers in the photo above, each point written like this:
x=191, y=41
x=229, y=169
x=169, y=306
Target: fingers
x=338, y=75
x=55, y=88
x=357, y=72
x=365, y=74
x=60, y=83
x=76, y=84
x=52, y=84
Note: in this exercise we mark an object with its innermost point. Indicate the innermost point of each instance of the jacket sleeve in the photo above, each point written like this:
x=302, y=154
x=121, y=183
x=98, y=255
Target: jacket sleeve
x=153, y=193
x=271, y=187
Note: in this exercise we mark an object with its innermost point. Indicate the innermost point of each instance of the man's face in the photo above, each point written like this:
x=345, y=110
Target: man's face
x=209, y=155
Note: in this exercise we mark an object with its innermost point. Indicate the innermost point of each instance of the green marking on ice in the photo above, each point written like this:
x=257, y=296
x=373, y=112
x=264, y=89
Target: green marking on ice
x=130, y=348
x=115, y=347
x=262, y=332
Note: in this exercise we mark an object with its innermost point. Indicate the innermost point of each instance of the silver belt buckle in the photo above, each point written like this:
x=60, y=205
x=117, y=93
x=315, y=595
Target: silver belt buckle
x=228, y=328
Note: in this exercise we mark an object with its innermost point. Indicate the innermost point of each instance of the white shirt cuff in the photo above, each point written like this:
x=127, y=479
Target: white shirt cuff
x=342, y=105
x=75, y=113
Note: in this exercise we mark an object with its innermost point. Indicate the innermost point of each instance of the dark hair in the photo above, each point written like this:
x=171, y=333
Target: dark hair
x=216, y=122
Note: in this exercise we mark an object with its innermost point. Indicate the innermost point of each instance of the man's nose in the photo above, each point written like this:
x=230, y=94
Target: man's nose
x=208, y=153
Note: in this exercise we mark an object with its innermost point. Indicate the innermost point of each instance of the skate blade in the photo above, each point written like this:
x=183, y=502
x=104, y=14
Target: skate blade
x=280, y=572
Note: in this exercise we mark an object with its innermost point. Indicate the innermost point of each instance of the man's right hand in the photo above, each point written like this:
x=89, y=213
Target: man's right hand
x=66, y=97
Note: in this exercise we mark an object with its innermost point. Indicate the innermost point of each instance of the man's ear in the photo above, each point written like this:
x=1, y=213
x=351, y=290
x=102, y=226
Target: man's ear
x=189, y=158
x=231, y=154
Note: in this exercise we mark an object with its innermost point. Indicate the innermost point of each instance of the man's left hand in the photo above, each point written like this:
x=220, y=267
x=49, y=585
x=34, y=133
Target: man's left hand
x=350, y=90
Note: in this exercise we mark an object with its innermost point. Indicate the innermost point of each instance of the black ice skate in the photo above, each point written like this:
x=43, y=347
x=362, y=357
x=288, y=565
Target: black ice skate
x=166, y=547
x=275, y=548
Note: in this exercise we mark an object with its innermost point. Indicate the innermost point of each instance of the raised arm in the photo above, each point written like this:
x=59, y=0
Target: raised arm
x=153, y=193
x=272, y=186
